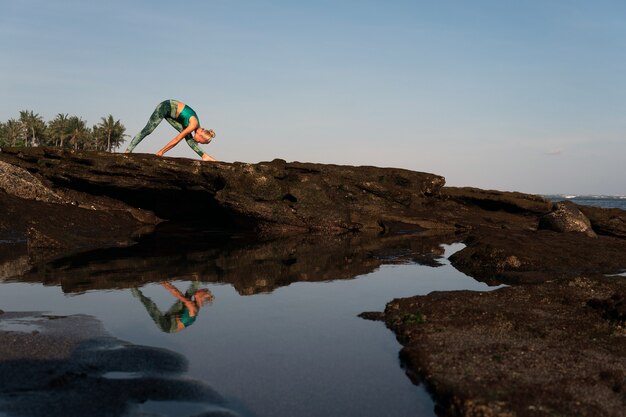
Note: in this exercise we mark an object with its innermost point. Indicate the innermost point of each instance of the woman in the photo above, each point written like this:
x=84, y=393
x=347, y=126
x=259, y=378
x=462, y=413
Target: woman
x=183, y=119
x=183, y=312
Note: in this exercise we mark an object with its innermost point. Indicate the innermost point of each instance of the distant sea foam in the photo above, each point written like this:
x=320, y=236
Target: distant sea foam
x=607, y=201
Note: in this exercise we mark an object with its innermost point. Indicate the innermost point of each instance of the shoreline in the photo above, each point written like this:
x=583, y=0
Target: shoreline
x=555, y=348
x=553, y=256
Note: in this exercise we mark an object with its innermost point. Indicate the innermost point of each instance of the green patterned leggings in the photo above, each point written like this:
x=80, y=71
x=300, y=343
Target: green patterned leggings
x=166, y=321
x=165, y=110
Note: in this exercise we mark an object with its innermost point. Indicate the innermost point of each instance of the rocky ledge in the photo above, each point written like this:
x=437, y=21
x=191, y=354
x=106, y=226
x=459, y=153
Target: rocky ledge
x=555, y=349
x=551, y=344
x=269, y=197
x=113, y=193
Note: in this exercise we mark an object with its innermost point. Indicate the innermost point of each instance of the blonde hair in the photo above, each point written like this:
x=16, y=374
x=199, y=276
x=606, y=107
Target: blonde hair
x=206, y=132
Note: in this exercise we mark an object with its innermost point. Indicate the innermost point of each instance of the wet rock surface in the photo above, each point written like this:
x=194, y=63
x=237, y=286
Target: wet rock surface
x=69, y=366
x=538, y=350
x=526, y=256
x=553, y=344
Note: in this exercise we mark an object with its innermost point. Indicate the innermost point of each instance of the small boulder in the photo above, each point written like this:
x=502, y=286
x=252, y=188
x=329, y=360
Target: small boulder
x=566, y=217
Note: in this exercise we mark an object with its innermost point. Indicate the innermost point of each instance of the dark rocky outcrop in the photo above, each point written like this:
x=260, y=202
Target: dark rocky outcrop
x=558, y=330
x=272, y=197
x=539, y=350
x=499, y=201
x=606, y=221
x=56, y=228
x=60, y=200
x=525, y=256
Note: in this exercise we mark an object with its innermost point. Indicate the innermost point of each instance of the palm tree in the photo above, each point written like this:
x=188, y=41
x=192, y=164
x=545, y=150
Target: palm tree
x=112, y=130
x=58, y=129
x=3, y=140
x=33, y=127
x=78, y=132
x=10, y=132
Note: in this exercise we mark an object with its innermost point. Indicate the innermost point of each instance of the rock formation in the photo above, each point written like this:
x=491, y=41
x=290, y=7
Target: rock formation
x=566, y=217
x=67, y=200
x=474, y=350
x=57, y=201
x=530, y=350
x=273, y=197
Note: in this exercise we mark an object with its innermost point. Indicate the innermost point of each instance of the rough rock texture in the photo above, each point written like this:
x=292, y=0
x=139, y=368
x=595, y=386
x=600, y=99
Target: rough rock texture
x=491, y=200
x=56, y=227
x=525, y=256
x=19, y=182
x=566, y=217
x=482, y=354
x=611, y=222
x=272, y=196
x=113, y=196
x=546, y=350
x=278, y=197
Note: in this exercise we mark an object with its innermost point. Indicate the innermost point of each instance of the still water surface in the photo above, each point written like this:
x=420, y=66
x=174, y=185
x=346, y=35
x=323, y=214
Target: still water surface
x=294, y=350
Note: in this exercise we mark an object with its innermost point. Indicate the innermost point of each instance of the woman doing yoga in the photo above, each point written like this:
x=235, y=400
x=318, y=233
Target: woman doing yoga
x=182, y=118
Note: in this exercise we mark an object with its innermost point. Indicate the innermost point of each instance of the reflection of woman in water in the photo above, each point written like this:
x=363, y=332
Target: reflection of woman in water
x=182, y=313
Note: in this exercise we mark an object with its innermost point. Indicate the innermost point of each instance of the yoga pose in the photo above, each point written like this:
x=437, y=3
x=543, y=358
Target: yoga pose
x=183, y=312
x=184, y=120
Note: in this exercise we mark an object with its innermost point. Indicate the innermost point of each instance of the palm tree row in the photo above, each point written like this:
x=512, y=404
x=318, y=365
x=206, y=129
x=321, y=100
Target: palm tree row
x=63, y=131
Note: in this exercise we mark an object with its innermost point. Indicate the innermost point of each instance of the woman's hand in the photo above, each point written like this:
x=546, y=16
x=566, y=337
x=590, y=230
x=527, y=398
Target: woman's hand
x=160, y=153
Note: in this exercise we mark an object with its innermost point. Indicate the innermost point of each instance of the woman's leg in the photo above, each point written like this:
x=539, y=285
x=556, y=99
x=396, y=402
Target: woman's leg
x=163, y=321
x=162, y=111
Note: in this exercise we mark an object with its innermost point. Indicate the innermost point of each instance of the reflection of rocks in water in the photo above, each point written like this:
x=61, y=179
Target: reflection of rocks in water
x=14, y=266
x=69, y=366
x=251, y=267
x=612, y=308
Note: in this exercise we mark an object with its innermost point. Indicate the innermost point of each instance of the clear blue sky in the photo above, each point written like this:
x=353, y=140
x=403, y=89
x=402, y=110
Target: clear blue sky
x=510, y=95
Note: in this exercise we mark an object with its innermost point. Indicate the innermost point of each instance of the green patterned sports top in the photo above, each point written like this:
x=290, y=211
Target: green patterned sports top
x=185, y=115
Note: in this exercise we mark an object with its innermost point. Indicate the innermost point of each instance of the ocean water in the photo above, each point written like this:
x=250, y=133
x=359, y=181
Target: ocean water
x=591, y=200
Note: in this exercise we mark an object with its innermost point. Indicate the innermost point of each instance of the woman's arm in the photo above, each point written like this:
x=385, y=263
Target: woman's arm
x=193, y=145
x=193, y=125
x=193, y=309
